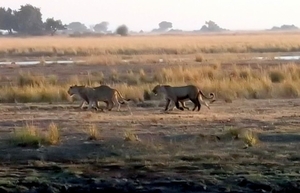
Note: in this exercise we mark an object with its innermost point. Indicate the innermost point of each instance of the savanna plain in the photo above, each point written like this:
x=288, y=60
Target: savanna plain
x=246, y=142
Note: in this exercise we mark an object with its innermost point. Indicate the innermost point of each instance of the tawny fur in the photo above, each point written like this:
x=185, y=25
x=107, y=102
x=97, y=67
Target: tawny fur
x=92, y=95
x=181, y=94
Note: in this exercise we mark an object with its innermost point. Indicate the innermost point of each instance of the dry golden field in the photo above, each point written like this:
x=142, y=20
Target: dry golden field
x=138, y=45
x=246, y=142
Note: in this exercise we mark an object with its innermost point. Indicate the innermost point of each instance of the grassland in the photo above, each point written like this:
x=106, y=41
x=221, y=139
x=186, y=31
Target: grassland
x=141, y=45
x=239, y=145
x=227, y=81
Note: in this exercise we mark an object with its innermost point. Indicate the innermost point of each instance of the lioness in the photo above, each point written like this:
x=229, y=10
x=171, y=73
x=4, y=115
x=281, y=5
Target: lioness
x=101, y=93
x=182, y=93
x=80, y=91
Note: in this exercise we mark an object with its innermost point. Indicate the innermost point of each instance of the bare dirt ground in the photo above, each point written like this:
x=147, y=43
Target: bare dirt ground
x=177, y=152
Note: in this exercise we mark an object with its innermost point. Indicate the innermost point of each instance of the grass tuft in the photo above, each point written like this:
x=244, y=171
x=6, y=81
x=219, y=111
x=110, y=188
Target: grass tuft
x=31, y=136
x=52, y=136
x=130, y=136
x=250, y=138
x=93, y=133
x=26, y=137
x=233, y=132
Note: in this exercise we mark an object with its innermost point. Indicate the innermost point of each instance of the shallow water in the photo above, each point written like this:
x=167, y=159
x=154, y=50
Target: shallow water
x=39, y=62
x=280, y=58
x=126, y=61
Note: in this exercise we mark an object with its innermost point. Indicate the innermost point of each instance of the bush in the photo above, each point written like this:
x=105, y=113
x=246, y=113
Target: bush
x=276, y=76
x=122, y=30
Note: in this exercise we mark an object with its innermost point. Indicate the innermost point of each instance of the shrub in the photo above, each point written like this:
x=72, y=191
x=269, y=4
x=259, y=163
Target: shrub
x=199, y=58
x=276, y=76
x=26, y=137
x=30, y=136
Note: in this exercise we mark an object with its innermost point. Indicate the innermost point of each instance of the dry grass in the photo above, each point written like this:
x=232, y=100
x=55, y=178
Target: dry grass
x=130, y=136
x=248, y=136
x=111, y=59
x=53, y=136
x=136, y=45
x=93, y=133
x=31, y=136
x=228, y=82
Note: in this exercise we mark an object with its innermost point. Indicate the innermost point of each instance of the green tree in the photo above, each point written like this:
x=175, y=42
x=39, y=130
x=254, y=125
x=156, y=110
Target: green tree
x=77, y=27
x=211, y=26
x=52, y=25
x=165, y=25
x=101, y=27
x=29, y=19
x=7, y=20
x=122, y=30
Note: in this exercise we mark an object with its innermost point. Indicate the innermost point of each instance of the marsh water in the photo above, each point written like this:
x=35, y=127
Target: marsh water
x=24, y=63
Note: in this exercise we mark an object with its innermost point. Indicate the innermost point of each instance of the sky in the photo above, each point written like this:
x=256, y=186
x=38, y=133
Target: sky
x=184, y=14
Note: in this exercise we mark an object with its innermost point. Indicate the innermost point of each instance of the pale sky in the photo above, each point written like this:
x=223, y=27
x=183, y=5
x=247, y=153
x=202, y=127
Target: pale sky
x=184, y=14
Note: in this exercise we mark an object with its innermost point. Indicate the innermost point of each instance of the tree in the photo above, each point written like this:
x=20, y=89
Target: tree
x=122, y=30
x=7, y=20
x=165, y=25
x=52, y=25
x=101, y=27
x=211, y=26
x=284, y=27
x=77, y=27
x=29, y=19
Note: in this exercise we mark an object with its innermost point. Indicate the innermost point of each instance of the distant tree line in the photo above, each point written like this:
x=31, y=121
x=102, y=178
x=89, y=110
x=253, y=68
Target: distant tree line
x=28, y=20
x=284, y=27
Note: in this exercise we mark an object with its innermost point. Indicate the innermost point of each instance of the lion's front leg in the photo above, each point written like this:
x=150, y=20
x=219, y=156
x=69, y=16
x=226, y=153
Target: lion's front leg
x=82, y=103
x=167, y=104
x=90, y=105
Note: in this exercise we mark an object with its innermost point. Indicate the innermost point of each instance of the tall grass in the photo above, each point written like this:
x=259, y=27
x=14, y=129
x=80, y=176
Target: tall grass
x=137, y=45
x=31, y=136
x=228, y=83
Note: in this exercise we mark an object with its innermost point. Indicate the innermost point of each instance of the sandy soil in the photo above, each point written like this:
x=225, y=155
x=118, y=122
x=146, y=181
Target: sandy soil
x=177, y=152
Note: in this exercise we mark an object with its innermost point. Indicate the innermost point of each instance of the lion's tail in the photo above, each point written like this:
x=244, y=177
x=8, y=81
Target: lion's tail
x=120, y=96
x=212, y=96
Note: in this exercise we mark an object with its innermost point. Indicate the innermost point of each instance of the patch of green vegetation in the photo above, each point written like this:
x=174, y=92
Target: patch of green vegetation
x=30, y=136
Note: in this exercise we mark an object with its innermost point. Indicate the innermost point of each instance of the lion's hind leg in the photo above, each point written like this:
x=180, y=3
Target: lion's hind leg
x=201, y=100
x=196, y=104
x=116, y=102
x=110, y=105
